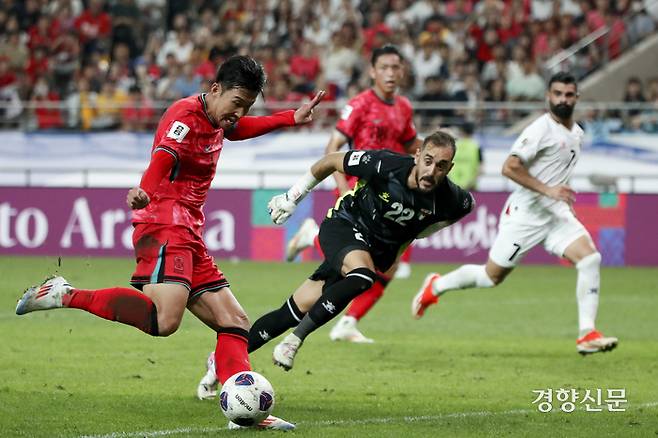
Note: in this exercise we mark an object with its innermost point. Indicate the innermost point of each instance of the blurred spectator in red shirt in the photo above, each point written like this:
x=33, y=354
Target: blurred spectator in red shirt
x=138, y=113
x=94, y=26
x=208, y=68
x=281, y=93
x=305, y=67
x=376, y=26
x=7, y=76
x=509, y=29
x=43, y=33
x=48, y=114
x=37, y=65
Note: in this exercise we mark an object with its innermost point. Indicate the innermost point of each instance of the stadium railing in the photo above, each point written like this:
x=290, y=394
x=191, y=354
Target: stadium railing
x=488, y=116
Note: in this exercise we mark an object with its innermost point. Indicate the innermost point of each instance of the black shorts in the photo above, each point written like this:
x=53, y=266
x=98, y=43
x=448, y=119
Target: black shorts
x=337, y=238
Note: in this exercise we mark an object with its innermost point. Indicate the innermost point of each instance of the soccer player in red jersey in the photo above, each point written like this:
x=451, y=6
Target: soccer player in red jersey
x=174, y=270
x=377, y=118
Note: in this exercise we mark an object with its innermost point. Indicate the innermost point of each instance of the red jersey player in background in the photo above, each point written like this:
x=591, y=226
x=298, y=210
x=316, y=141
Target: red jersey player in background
x=174, y=270
x=377, y=118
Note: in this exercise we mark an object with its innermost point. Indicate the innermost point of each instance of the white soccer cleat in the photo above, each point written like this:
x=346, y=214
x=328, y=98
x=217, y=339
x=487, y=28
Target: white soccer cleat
x=403, y=271
x=47, y=296
x=425, y=297
x=271, y=422
x=284, y=353
x=302, y=239
x=209, y=383
x=595, y=342
x=345, y=330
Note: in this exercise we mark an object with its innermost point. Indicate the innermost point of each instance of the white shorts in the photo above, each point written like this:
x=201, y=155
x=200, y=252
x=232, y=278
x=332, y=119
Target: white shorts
x=516, y=237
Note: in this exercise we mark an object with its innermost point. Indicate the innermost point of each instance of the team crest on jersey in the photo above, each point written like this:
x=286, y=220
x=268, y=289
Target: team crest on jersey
x=355, y=158
x=179, y=264
x=178, y=131
x=345, y=113
x=385, y=196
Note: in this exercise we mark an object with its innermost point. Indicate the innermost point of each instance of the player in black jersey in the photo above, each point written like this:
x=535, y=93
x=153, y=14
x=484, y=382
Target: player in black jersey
x=398, y=199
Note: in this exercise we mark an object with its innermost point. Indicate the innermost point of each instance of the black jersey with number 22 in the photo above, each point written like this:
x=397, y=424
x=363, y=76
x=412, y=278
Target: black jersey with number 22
x=384, y=207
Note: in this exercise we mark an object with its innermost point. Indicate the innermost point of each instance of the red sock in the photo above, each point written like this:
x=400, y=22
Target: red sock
x=364, y=302
x=316, y=244
x=231, y=353
x=406, y=255
x=120, y=304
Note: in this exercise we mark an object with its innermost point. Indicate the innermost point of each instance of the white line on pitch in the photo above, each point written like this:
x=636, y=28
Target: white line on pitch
x=384, y=420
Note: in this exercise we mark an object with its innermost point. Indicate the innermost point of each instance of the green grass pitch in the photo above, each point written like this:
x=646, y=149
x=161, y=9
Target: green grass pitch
x=467, y=369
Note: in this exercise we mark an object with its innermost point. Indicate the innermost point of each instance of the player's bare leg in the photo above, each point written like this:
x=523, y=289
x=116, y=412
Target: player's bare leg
x=583, y=254
x=359, y=275
x=170, y=300
x=466, y=276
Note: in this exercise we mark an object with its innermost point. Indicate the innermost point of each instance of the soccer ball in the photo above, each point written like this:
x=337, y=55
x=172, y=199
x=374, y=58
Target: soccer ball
x=246, y=398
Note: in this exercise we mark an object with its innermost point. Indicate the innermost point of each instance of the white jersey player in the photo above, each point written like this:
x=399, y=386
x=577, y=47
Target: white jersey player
x=539, y=211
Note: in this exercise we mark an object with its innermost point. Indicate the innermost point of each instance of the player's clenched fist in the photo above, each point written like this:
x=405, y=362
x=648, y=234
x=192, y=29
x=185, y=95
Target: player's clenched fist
x=281, y=208
x=137, y=198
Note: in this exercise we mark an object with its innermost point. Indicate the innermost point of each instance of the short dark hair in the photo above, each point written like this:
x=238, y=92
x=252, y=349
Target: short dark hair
x=564, y=78
x=241, y=72
x=441, y=139
x=388, y=49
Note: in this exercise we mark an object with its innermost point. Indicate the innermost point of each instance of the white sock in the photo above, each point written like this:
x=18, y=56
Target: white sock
x=587, y=291
x=464, y=277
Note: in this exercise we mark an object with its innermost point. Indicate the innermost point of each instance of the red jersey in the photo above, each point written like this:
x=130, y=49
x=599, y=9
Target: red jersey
x=372, y=123
x=92, y=26
x=184, y=131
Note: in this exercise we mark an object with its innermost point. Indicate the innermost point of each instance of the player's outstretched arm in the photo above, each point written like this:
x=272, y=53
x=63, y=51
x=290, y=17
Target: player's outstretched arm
x=282, y=206
x=254, y=126
x=514, y=169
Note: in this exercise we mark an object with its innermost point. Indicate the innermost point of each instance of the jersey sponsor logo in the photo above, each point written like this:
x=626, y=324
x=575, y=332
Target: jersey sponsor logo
x=355, y=158
x=345, y=113
x=178, y=131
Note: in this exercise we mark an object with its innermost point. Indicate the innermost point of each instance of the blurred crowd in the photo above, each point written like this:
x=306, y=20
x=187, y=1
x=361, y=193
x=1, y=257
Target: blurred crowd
x=115, y=64
x=600, y=123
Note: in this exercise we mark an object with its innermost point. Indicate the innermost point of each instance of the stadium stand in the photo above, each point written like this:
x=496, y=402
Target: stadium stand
x=116, y=64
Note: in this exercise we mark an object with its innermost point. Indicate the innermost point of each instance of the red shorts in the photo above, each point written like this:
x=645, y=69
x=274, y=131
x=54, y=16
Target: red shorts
x=173, y=254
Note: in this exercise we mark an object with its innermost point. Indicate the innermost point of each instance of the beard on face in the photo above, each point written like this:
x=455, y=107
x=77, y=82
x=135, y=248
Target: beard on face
x=562, y=110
